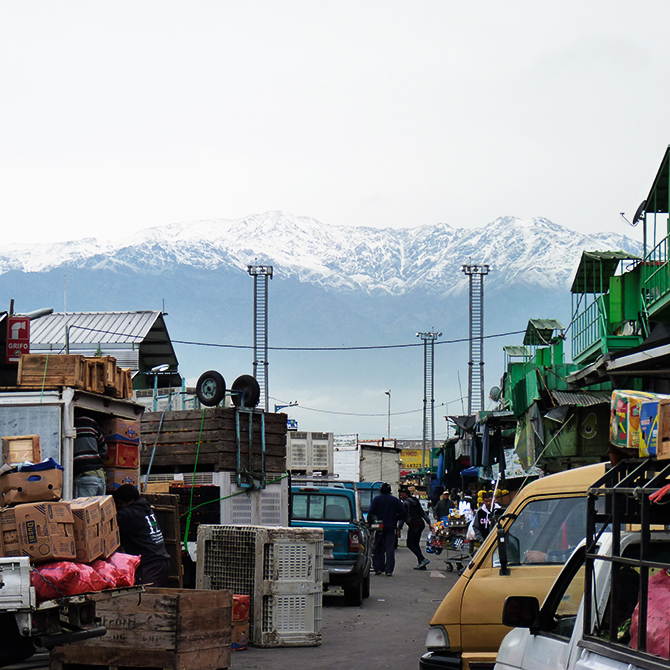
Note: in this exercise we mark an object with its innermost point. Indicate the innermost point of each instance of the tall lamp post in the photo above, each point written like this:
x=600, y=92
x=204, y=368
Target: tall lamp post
x=388, y=393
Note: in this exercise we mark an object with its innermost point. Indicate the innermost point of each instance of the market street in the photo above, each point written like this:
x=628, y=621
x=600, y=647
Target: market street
x=387, y=633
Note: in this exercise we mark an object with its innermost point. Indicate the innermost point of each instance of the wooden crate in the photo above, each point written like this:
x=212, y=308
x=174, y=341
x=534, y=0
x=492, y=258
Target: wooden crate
x=179, y=629
x=210, y=437
x=166, y=510
x=48, y=370
x=20, y=448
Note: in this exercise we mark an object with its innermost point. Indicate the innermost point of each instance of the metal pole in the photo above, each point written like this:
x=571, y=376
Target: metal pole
x=388, y=393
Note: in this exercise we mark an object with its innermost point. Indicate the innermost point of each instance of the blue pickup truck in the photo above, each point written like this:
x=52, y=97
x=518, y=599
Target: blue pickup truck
x=337, y=510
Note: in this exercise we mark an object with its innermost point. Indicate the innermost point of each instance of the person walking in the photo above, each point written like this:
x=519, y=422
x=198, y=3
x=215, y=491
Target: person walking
x=388, y=510
x=415, y=518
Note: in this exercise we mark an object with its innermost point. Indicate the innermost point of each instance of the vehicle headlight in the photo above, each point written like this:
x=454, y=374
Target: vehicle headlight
x=437, y=638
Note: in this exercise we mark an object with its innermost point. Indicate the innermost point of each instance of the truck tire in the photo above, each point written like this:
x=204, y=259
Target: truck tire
x=211, y=388
x=366, y=586
x=353, y=595
x=246, y=391
x=14, y=648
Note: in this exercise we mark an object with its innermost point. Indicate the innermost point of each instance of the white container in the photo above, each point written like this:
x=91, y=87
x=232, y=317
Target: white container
x=258, y=507
x=280, y=568
x=308, y=453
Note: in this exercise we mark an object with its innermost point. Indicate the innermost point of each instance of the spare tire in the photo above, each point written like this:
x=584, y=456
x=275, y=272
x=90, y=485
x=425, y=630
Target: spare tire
x=211, y=388
x=246, y=391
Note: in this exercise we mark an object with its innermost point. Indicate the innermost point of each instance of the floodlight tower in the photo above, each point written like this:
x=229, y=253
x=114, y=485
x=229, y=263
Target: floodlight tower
x=476, y=275
x=261, y=328
x=428, y=412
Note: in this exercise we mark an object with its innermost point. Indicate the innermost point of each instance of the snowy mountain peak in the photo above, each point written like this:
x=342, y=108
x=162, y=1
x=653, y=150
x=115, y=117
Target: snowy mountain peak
x=531, y=251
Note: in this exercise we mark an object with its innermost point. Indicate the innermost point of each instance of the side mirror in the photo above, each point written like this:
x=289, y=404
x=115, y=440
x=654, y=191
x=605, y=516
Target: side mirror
x=521, y=611
x=502, y=552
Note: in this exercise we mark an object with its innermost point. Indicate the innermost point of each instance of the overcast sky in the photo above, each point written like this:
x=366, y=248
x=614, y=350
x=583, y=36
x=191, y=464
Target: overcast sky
x=118, y=116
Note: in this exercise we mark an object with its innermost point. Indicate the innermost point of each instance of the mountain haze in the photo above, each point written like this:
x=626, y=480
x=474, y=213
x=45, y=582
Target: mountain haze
x=332, y=287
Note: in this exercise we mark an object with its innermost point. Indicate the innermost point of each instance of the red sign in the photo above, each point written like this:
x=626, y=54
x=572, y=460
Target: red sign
x=18, y=338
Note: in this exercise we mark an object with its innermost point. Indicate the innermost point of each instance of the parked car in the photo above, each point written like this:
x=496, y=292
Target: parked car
x=337, y=510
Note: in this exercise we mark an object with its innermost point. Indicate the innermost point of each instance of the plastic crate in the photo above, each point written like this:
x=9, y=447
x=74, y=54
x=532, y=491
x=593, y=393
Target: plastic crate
x=281, y=569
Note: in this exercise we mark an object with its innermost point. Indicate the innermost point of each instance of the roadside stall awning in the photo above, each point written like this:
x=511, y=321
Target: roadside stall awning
x=595, y=270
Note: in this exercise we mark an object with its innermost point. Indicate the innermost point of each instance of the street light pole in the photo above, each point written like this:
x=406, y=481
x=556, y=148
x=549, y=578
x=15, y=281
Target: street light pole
x=388, y=393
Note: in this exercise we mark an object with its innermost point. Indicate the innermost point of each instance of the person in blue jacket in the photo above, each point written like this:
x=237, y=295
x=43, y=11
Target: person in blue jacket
x=388, y=510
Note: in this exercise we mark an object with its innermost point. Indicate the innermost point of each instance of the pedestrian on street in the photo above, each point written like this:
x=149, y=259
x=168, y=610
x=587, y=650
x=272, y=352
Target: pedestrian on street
x=443, y=506
x=388, y=510
x=416, y=519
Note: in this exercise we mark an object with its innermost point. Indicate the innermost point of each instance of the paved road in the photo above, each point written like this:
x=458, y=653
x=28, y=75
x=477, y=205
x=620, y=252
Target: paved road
x=387, y=633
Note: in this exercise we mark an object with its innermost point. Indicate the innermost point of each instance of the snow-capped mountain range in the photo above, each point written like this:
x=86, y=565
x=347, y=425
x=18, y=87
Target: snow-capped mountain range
x=530, y=252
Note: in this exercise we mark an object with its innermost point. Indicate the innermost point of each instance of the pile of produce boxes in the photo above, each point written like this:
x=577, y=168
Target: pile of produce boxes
x=640, y=423
x=122, y=461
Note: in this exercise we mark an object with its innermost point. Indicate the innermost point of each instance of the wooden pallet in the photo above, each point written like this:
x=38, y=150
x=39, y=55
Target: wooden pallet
x=211, y=437
x=98, y=374
x=176, y=629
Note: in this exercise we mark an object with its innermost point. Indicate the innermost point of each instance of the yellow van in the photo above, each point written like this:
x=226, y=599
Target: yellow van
x=535, y=536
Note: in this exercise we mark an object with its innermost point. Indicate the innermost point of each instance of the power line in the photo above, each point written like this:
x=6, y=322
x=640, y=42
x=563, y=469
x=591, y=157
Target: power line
x=245, y=346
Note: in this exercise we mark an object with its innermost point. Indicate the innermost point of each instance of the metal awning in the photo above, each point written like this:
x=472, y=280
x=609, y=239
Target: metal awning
x=578, y=399
x=516, y=351
x=658, y=200
x=540, y=332
x=596, y=268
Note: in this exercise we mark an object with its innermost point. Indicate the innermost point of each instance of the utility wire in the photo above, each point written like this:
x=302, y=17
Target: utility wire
x=137, y=338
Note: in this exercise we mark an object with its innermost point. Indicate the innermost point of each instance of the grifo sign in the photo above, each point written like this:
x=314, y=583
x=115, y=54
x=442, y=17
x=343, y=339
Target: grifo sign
x=18, y=338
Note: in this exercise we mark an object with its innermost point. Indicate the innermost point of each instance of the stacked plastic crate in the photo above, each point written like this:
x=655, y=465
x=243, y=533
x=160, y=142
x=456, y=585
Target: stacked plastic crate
x=122, y=461
x=280, y=569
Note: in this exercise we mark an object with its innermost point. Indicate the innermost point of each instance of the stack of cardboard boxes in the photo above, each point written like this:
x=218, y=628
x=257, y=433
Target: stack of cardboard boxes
x=122, y=461
x=240, y=629
x=81, y=530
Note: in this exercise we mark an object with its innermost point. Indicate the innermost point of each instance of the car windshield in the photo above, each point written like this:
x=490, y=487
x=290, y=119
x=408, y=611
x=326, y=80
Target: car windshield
x=321, y=507
x=366, y=498
x=546, y=531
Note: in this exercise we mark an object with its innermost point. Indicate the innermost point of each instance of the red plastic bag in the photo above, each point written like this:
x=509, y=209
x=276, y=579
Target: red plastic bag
x=107, y=571
x=65, y=578
x=126, y=566
x=658, y=616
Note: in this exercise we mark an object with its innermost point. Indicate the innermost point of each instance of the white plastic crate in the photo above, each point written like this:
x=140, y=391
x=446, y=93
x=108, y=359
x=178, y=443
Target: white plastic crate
x=15, y=590
x=258, y=507
x=280, y=568
x=309, y=452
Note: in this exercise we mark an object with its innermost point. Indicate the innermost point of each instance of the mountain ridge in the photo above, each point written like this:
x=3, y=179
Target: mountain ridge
x=533, y=251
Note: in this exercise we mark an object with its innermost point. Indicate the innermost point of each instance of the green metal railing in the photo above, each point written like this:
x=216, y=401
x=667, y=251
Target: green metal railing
x=656, y=275
x=589, y=326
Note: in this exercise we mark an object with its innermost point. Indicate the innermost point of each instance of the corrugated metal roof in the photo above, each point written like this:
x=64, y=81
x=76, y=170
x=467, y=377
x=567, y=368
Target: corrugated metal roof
x=514, y=350
x=595, y=270
x=138, y=340
x=93, y=327
x=540, y=331
x=576, y=399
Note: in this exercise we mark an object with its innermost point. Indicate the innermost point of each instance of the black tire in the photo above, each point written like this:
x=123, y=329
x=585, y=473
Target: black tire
x=353, y=595
x=211, y=388
x=437, y=551
x=14, y=648
x=246, y=391
x=450, y=567
x=366, y=586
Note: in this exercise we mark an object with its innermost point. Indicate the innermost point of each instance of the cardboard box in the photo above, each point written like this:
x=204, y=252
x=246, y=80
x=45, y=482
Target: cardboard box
x=46, y=531
x=116, y=477
x=241, y=605
x=121, y=430
x=24, y=487
x=107, y=508
x=239, y=636
x=625, y=410
x=663, y=433
x=111, y=542
x=122, y=455
x=21, y=448
x=87, y=522
x=158, y=487
x=8, y=519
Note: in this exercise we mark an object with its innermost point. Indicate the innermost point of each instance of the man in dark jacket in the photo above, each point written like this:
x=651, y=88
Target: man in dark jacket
x=415, y=518
x=89, y=449
x=141, y=536
x=388, y=510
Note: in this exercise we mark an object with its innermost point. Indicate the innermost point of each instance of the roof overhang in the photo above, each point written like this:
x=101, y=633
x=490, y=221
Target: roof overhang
x=595, y=270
